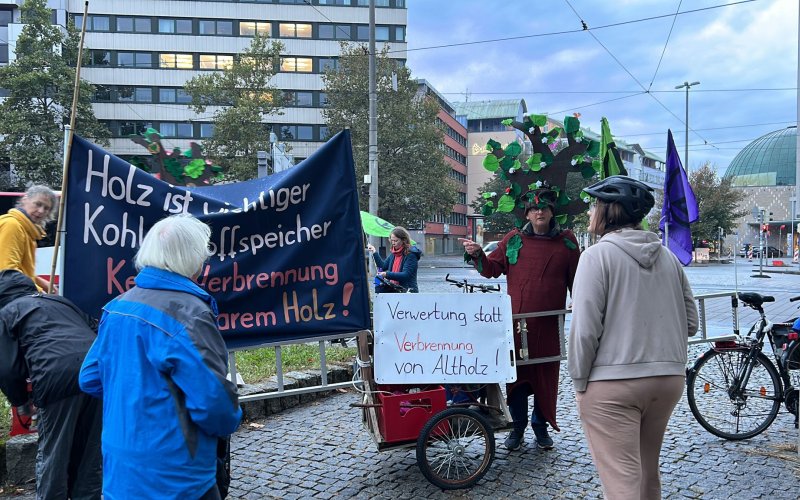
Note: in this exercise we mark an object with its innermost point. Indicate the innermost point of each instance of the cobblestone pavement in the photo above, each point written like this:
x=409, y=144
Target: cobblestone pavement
x=322, y=450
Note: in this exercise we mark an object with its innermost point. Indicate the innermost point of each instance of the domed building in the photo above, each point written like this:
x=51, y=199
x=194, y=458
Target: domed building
x=766, y=170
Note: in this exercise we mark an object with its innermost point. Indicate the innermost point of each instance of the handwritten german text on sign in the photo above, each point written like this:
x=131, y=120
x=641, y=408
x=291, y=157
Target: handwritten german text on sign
x=443, y=338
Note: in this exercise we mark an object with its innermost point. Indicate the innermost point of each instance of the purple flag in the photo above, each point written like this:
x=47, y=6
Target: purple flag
x=680, y=206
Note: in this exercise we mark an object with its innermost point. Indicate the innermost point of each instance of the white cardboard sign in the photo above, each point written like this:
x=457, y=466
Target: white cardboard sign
x=425, y=338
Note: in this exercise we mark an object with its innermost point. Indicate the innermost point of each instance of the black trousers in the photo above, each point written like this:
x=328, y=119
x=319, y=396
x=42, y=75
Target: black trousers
x=69, y=463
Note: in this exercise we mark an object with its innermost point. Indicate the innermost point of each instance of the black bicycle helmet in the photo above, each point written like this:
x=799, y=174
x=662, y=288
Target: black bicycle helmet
x=636, y=197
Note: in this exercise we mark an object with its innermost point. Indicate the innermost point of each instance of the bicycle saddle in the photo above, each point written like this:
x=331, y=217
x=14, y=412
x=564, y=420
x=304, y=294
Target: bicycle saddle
x=755, y=299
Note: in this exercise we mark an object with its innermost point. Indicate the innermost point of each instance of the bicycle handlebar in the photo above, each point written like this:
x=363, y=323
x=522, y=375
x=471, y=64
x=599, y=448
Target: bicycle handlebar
x=396, y=288
x=470, y=287
x=794, y=299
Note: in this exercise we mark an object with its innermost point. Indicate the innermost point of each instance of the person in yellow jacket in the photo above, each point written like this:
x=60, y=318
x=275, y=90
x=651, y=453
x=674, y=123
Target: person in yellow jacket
x=21, y=228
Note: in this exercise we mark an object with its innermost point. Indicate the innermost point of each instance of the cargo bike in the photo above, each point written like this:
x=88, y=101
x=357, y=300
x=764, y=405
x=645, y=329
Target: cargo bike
x=451, y=425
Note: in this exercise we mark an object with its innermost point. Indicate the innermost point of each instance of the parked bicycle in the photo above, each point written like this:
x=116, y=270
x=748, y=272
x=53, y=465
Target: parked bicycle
x=734, y=390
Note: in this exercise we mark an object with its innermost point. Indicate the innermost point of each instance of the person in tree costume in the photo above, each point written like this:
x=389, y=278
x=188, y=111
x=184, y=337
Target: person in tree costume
x=538, y=258
x=539, y=261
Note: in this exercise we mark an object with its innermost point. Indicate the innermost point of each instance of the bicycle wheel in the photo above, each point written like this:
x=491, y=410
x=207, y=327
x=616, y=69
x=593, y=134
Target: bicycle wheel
x=455, y=448
x=728, y=414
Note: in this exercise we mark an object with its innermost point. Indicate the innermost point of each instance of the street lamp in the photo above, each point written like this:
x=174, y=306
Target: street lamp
x=686, y=144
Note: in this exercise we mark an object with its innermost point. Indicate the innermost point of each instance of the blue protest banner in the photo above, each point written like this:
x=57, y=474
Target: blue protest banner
x=288, y=254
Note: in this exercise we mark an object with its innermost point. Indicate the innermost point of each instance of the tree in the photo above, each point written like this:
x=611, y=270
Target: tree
x=413, y=180
x=246, y=99
x=40, y=84
x=717, y=203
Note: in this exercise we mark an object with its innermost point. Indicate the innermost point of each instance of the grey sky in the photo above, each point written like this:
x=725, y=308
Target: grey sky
x=732, y=50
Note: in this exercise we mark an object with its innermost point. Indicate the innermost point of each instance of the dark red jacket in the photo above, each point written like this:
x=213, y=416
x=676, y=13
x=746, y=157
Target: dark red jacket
x=538, y=281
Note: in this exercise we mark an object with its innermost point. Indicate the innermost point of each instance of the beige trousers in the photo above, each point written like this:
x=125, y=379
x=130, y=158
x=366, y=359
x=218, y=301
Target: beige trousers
x=624, y=422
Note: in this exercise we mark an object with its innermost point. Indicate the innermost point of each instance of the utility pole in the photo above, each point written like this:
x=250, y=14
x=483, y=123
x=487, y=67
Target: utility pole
x=686, y=136
x=373, y=123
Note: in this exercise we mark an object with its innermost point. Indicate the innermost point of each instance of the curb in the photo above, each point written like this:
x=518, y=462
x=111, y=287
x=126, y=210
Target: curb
x=18, y=455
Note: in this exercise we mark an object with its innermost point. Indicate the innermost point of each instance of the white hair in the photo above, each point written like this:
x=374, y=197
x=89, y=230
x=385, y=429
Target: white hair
x=178, y=243
x=45, y=192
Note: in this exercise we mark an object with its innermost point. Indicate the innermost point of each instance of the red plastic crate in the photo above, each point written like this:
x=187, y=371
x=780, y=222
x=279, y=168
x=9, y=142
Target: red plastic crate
x=402, y=416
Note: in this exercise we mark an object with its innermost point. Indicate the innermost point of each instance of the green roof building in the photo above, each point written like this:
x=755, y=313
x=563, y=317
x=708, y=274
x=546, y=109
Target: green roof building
x=766, y=170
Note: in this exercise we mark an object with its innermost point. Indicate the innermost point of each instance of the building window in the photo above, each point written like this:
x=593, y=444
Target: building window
x=182, y=97
x=336, y=2
x=324, y=132
x=102, y=94
x=294, y=30
x=323, y=99
x=134, y=60
x=250, y=28
x=296, y=64
x=362, y=32
x=298, y=98
x=93, y=23
x=328, y=63
x=206, y=130
x=134, y=94
x=173, y=129
x=212, y=61
x=167, y=129
x=133, y=24
x=99, y=58
x=179, y=26
x=382, y=33
x=175, y=61
x=305, y=132
x=166, y=95
x=400, y=33
x=334, y=31
x=131, y=128
x=6, y=17
x=208, y=27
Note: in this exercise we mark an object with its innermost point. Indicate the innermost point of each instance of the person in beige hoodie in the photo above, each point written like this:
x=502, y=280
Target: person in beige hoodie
x=632, y=314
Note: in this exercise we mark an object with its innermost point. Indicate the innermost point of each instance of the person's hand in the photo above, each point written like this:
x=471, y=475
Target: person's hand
x=471, y=247
x=370, y=248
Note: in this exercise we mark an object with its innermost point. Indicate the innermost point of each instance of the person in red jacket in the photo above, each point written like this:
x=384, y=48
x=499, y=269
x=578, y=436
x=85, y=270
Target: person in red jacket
x=539, y=262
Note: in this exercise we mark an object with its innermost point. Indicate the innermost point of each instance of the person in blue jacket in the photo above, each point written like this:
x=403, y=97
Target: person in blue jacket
x=400, y=266
x=159, y=364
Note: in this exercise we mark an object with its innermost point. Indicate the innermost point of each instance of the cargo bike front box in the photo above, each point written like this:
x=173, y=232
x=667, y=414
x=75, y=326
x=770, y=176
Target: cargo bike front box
x=435, y=380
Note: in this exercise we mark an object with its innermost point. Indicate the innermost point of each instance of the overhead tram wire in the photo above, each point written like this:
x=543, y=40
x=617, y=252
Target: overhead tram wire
x=712, y=128
x=307, y=2
x=588, y=30
x=566, y=32
x=667, y=91
x=664, y=50
x=594, y=104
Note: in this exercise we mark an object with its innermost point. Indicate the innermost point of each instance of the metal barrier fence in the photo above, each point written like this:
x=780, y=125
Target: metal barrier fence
x=522, y=354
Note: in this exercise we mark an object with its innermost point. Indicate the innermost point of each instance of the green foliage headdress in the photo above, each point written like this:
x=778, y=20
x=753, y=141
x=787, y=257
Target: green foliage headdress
x=543, y=176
